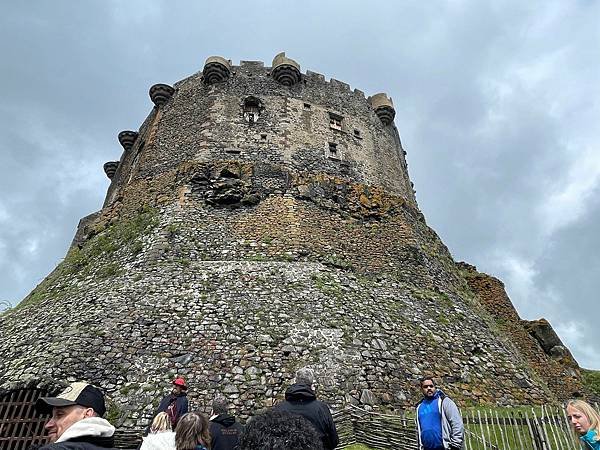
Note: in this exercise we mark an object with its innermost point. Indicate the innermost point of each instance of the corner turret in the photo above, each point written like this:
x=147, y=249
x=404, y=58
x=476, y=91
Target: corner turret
x=383, y=107
x=127, y=139
x=110, y=168
x=161, y=93
x=285, y=70
x=216, y=69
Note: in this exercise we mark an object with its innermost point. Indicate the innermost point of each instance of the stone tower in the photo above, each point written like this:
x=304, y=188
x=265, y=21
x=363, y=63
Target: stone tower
x=261, y=220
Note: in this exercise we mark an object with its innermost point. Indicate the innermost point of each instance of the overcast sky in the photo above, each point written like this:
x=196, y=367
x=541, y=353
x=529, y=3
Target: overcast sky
x=498, y=107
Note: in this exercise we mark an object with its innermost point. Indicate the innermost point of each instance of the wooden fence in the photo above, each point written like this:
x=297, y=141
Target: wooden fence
x=541, y=428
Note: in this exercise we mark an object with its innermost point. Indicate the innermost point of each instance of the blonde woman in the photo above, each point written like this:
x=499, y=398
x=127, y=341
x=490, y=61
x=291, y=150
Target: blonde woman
x=191, y=433
x=161, y=437
x=585, y=423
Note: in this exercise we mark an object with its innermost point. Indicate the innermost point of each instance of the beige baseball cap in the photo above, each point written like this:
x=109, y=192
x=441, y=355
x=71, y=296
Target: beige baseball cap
x=79, y=393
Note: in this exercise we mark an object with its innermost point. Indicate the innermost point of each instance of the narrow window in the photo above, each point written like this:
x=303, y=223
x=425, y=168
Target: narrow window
x=335, y=121
x=251, y=110
x=333, y=151
x=356, y=133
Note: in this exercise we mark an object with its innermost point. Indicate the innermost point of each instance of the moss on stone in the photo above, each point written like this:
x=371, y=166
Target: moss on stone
x=108, y=271
x=82, y=262
x=337, y=262
x=591, y=380
x=114, y=414
x=327, y=285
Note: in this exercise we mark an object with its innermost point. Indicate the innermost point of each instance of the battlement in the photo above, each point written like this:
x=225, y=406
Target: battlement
x=260, y=69
x=275, y=113
x=252, y=63
x=309, y=75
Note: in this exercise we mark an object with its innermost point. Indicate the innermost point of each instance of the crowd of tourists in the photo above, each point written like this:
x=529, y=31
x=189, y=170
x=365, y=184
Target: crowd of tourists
x=301, y=422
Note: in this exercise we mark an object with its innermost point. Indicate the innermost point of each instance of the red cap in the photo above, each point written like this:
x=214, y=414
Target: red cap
x=180, y=382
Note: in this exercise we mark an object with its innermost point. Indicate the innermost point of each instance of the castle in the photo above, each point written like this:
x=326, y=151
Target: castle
x=260, y=220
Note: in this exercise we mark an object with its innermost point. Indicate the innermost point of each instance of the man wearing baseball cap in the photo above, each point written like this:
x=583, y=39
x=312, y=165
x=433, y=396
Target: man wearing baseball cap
x=76, y=421
x=175, y=404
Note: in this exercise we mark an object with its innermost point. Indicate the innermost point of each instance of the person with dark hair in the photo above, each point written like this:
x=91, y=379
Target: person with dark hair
x=192, y=432
x=175, y=404
x=280, y=430
x=225, y=431
x=439, y=423
x=301, y=399
x=76, y=422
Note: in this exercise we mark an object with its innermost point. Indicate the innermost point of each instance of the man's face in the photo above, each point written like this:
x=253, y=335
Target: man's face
x=428, y=388
x=177, y=390
x=62, y=418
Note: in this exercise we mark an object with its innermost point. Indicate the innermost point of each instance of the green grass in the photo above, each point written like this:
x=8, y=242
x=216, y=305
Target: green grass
x=327, y=285
x=95, y=256
x=338, y=262
x=591, y=380
x=493, y=432
x=108, y=271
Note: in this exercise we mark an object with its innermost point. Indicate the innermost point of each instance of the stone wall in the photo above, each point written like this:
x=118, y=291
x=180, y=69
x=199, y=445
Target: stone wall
x=236, y=296
x=558, y=370
x=233, y=253
x=204, y=122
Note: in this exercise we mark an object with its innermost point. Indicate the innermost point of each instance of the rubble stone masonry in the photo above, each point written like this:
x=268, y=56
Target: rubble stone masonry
x=252, y=228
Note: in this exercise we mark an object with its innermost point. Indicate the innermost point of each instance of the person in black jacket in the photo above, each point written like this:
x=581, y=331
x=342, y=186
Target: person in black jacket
x=225, y=431
x=280, y=430
x=76, y=422
x=301, y=399
x=175, y=404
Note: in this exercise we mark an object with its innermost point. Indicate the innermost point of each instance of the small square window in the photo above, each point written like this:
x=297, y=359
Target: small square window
x=263, y=137
x=335, y=121
x=307, y=106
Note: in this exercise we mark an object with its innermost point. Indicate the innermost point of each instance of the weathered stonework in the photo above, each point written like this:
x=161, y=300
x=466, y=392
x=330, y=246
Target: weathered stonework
x=236, y=244
x=536, y=340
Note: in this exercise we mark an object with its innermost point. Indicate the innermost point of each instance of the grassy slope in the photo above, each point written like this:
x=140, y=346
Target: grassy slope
x=591, y=380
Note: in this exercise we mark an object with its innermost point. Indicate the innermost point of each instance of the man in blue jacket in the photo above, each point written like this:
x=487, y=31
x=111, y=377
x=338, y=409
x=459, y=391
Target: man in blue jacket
x=439, y=423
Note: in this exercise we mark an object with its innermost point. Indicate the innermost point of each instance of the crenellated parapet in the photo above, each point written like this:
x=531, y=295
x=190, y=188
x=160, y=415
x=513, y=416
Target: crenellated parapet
x=285, y=70
x=383, y=107
x=255, y=112
x=161, y=93
x=216, y=70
